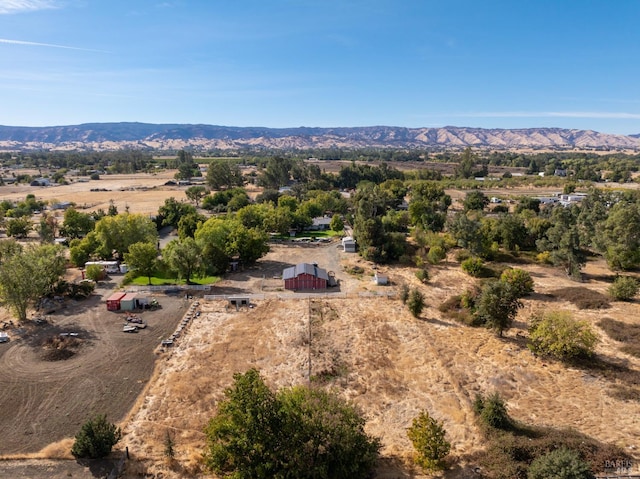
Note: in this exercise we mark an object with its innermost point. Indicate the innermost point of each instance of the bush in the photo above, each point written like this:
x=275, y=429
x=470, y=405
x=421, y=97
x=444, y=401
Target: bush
x=297, y=432
x=473, y=267
x=492, y=411
x=422, y=275
x=519, y=280
x=462, y=255
x=94, y=272
x=404, y=293
x=562, y=463
x=558, y=335
x=96, y=438
x=95, y=176
x=624, y=288
x=428, y=438
x=544, y=257
x=415, y=303
x=436, y=254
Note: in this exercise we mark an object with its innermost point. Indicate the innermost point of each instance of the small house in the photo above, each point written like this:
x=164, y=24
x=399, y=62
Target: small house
x=349, y=244
x=320, y=223
x=128, y=302
x=113, y=301
x=305, y=276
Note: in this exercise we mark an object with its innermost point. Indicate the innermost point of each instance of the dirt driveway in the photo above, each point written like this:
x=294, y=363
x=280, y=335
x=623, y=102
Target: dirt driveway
x=43, y=400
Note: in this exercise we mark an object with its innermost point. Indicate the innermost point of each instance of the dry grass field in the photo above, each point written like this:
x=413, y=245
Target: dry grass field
x=141, y=193
x=388, y=363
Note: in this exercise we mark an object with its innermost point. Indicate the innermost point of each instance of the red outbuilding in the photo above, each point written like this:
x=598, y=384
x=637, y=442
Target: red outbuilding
x=113, y=301
x=305, y=276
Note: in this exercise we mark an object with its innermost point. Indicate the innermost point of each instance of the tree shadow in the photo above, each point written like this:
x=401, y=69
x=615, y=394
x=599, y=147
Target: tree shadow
x=99, y=467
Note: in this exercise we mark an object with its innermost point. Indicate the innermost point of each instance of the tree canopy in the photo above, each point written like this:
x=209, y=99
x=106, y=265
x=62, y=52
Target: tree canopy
x=296, y=432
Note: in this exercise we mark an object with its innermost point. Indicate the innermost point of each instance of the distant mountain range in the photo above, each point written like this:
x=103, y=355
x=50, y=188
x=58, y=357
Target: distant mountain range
x=146, y=136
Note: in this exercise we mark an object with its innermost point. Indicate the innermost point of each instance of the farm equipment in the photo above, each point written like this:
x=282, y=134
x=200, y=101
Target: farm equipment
x=129, y=328
x=135, y=321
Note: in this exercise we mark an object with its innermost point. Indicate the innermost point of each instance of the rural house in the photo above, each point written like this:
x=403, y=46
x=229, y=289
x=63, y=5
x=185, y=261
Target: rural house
x=305, y=276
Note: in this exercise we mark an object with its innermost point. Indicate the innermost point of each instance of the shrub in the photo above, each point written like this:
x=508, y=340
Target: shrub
x=96, y=438
x=94, y=272
x=422, y=275
x=562, y=463
x=415, y=303
x=462, y=255
x=436, y=254
x=558, y=335
x=497, y=306
x=428, y=438
x=472, y=266
x=95, y=176
x=544, y=257
x=492, y=411
x=404, y=293
x=624, y=288
x=519, y=280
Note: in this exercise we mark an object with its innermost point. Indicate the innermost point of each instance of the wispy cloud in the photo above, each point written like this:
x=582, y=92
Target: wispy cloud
x=48, y=45
x=17, y=6
x=549, y=114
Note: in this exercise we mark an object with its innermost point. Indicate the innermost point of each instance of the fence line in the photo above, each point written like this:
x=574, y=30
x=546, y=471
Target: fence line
x=179, y=287
x=301, y=296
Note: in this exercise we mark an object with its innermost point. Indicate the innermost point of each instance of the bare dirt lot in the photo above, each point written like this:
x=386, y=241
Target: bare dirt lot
x=44, y=398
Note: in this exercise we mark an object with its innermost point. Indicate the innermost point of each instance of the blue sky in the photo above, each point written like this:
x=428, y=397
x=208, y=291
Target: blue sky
x=287, y=63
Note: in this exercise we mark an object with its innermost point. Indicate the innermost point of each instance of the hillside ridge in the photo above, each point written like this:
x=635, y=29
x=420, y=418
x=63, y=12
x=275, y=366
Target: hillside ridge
x=199, y=137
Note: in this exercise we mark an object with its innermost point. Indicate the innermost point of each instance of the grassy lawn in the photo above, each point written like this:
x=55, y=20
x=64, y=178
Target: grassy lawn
x=310, y=234
x=157, y=281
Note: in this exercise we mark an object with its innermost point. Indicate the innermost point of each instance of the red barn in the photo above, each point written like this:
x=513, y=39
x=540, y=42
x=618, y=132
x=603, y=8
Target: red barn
x=305, y=276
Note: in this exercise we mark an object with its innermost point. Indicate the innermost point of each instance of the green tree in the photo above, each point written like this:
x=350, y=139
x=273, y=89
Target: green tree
x=118, y=233
x=195, y=194
x=467, y=229
x=492, y=411
x=172, y=210
x=223, y=174
x=48, y=227
x=620, y=236
x=429, y=440
x=415, y=303
x=188, y=224
x=96, y=438
x=562, y=240
x=467, y=162
x=557, y=334
x=76, y=224
x=297, y=432
x=428, y=206
x=94, y=272
x=142, y=259
x=475, y=200
x=497, y=306
x=560, y=463
x=28, y=274
x=184, y=256
x=18, y=227
x=336, y=223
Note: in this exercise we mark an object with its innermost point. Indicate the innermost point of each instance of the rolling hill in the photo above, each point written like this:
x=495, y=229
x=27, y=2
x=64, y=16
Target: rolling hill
x=111, y=136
